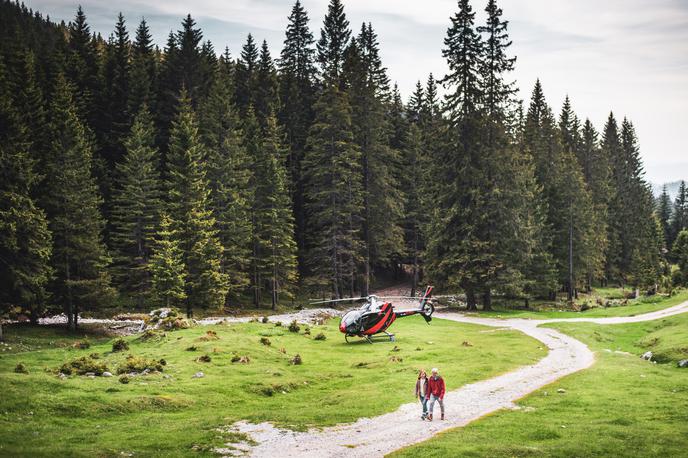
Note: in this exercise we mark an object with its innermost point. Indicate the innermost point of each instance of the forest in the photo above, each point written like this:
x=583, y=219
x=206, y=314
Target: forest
x=184, y=176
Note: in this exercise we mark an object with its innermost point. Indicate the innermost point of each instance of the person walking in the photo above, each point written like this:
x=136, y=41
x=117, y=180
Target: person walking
x=421, y=391
x=435, y=393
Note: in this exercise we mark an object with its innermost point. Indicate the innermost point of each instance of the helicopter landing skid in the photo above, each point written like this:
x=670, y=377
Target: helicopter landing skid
x=370, y=339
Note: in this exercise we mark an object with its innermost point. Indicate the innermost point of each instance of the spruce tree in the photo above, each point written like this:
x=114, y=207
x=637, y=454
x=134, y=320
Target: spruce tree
x=230, y=179
x=664, y=213
x=334, y=39
x=25, y=241
x=82, y=68
x=72, y=202
x=137, y=203
x=246, y=75
x=611, y=149
x=143, y=70
x=166, y=266
x=679, y=214
x=266, y=92
x=189, y=206
x=333, y=180
x=274, y=228
x=297, y=76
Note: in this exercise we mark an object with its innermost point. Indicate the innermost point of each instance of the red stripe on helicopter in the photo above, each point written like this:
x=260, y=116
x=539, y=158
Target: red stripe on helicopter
x=377, y=328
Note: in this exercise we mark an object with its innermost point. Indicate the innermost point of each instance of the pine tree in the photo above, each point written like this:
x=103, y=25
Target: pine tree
x=464, y=53
x=72, y=203
x=246, y=75
x=334, y=39
x=143, y=70
x=611, y=149
x=137, y=203
x=266, y=91
x=332, y=175
x=679, y=214
x=166, y=266
x=229, y=176
x=82, y=68
x=297, y=94
x=25, y=241
x=189, y=204
x=664, y=213
x=274, y=229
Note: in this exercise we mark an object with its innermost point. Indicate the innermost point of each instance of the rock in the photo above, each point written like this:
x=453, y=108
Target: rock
x=647, y=356
x=90, y=374
x=198, y=375
x=683, y=363
x=561, y=390
x=107, y=374
x=62, y=376
x=167, y=376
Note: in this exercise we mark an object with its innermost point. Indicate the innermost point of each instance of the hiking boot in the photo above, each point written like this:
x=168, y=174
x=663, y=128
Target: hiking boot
x=442, y=417
x=429, y=417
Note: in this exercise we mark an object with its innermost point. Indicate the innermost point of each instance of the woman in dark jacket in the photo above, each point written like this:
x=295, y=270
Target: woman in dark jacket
x=422, y=391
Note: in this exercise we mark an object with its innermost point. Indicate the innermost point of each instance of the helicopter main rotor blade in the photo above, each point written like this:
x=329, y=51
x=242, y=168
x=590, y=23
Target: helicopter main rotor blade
x=349, y=299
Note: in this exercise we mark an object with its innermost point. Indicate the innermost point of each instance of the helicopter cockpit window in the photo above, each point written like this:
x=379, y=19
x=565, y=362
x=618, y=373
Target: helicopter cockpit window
x=351, y=317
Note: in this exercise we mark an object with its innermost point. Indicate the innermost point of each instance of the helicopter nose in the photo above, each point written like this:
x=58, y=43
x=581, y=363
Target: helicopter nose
x=342, y=327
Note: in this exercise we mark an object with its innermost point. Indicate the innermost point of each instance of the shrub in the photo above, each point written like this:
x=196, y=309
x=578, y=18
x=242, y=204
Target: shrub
x=82, y=344
x=124, y=379
x=209, y=335
x=162, y=362
x=296, y=360
x=294, y=326
x=264, y=320
x=265, y=341
x=94, y=356
x=241, y=359
x=139, y=364
x=119, y=345
x=20, y=369
x=395, y=359
x=204, y=359
x=283, y=350
x=152, y=335
x=83, y=365
x=278, y=324
x=307, y=331
x=192, y=348
x=320, y=336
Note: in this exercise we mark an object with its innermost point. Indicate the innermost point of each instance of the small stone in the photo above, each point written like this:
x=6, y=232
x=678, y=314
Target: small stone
x=561, y=390
x=198, y=375
x=61, y=376
x=683, y=363
x=167, y=376
x=107, y=374
x=90, y=374
x=647, y=356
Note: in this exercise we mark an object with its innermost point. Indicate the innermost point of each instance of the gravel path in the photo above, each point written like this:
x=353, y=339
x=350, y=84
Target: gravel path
x=372, y=437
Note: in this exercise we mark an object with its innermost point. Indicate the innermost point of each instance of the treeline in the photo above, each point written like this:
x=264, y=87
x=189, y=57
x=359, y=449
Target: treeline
x=178, y=176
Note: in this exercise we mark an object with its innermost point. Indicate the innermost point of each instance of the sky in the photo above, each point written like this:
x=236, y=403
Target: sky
x=625, y=56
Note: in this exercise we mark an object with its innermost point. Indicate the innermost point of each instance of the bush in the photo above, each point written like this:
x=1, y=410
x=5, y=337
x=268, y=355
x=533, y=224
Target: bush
x=139, y=364
x=241, y=359
x=209, y=335
x=278, y=324
x=124, y=379
x=162, y=362
x=320, y=336
x=192, y=348
x=94, y=356
x=307, y=331
x=119, y=345
x=294, y=326
x=264, y=320
x=20, y=369
x=82, y=344
x=151, y=335
x=296, y=360
x=265, y=341
x=84, y=365
x=203, y=359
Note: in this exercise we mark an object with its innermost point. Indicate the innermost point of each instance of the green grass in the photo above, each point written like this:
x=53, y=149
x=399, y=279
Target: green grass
x=622, y=406
x=41, y=415
x=634, y=307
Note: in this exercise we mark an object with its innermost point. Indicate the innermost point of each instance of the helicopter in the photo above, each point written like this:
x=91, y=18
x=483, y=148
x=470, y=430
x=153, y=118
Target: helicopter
x=376, y=315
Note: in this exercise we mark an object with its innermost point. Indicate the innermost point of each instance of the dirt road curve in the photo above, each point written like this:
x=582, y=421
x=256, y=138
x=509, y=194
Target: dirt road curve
x=373, y=437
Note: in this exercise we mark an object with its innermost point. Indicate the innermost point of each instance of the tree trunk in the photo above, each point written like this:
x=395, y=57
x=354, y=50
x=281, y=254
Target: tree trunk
x=1, y=338
x=487, y=300
x=414, y=283
x=571, y=280
x=470, y=299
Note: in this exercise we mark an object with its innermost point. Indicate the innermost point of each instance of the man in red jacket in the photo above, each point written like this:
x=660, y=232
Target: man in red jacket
x=435, y=393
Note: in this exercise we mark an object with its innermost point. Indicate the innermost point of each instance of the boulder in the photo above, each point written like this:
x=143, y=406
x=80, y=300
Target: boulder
x=561, y=390
x=647, y=356
x=683, y=363
x=107, y=374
